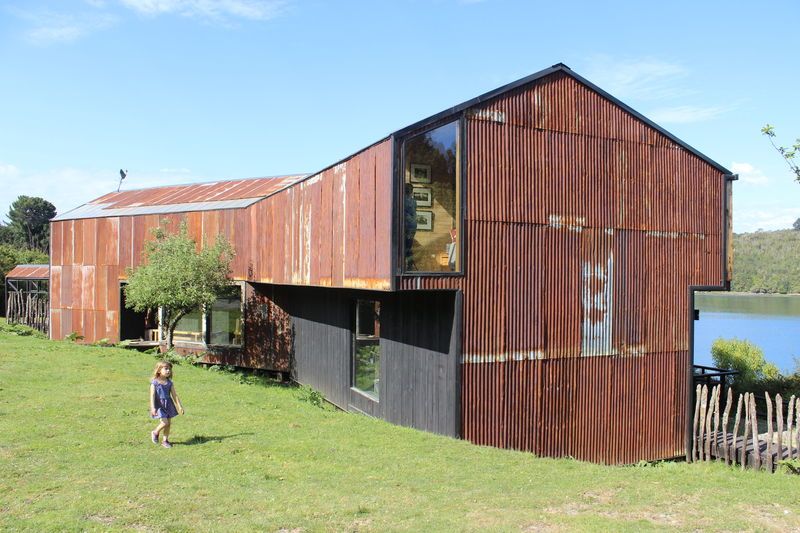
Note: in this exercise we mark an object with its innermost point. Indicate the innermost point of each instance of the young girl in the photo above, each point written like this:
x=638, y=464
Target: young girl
x=163, y=400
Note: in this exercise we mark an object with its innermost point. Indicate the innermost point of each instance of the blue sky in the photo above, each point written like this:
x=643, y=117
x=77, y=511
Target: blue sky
x=178, y=91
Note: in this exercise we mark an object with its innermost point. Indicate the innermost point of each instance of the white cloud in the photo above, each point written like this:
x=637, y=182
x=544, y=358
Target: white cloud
x=210, y=9
x=749, y=174
x=641, y=79
x=8, y=172
x=684, y=114
x=749, y=220
x=48, y=27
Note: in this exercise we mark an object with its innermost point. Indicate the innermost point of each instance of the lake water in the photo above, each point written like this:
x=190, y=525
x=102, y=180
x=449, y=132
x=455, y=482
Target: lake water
x=771, y=322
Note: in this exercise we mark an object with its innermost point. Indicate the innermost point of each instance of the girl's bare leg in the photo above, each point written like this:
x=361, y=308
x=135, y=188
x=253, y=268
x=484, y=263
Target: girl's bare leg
x=166, y=423
x=160, y=427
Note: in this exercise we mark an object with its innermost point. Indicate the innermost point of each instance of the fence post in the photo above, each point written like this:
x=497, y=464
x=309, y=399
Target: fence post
x=746, y=433
x=701, y=436
x=770, y=435
x=698, y=391
x=709, y=417
x=756, y=442
x=790, y=442
x=728, y=403
x=736, y=429
x=779, y=418
x=715, y=442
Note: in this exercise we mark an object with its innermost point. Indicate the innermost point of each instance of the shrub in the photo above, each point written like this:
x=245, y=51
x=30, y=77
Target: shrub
x=21, y=330
x=745, y=358
x=74, y=337
x=312, y=396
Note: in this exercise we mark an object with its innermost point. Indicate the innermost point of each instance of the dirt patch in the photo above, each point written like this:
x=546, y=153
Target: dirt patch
x=360, y=524
x=542, y=528
x=598, y=499
x=101, y=519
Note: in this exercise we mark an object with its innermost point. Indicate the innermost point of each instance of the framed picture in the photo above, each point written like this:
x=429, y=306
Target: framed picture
x=424, y=220
x=423, y=196
x=419, y=173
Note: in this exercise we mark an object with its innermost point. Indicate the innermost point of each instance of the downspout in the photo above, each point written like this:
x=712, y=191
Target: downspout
x=727, y=262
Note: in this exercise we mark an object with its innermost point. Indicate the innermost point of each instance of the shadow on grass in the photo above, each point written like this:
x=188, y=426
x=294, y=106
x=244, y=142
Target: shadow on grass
x=204, y=439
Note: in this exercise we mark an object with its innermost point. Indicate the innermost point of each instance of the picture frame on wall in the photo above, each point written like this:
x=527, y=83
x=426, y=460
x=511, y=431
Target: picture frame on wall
x=424, y=220
x=419, y=173
x=423, y=196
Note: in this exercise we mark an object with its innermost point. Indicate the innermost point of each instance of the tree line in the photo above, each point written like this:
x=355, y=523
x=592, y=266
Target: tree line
x=767, y=262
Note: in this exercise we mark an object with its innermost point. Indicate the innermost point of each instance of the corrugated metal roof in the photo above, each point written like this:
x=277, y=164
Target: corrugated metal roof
x=29, y=272
x=230, y=194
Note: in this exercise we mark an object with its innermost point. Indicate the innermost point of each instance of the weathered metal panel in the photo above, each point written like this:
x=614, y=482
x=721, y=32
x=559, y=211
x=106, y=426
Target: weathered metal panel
x=29, y=272
x=585, y=229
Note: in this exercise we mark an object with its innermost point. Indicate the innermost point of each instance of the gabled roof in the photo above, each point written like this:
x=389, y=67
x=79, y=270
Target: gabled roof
x=558, y=67
x=29, y=272
x=242, y=193
x=182, y=198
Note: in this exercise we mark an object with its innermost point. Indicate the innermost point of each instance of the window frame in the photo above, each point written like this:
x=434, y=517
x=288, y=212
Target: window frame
x=461, y=186
x=354, y=346
x=205, y=325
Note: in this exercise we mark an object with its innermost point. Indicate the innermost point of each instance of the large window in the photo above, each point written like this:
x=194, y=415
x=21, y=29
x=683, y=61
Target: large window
x=221, y=325
x=367, y=349
x=226, y=318
x=189, y=328
x=432, y=201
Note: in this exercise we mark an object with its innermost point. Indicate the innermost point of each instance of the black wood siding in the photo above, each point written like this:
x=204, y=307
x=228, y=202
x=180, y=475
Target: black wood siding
x=420, y=350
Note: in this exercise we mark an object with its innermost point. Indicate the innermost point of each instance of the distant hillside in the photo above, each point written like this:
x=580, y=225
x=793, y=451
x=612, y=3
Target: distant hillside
x=767, y=261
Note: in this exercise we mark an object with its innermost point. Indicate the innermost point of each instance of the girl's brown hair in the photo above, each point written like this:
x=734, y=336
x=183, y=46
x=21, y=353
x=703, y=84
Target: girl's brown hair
x=159, y=366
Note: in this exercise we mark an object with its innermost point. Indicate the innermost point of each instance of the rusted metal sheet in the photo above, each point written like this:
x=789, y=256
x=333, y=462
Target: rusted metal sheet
x=29, y=272
x=585, y=228
x=321, y=231
x=199, y=192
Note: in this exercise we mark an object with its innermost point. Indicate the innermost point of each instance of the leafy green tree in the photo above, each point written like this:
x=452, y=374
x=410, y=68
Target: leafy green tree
x=747, y=359
x=7, y=235
x=787, y=152
x=29, y=221
x=176, y=277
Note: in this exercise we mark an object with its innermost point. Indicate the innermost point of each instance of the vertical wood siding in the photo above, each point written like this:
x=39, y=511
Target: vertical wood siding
x=584, y=230
x=419, y=342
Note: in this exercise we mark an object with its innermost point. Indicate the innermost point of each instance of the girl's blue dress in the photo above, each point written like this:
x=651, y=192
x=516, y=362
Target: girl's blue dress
x=165, y=407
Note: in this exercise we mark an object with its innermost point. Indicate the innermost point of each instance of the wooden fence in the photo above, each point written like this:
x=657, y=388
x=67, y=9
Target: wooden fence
x=28, y=309
x=744, y=444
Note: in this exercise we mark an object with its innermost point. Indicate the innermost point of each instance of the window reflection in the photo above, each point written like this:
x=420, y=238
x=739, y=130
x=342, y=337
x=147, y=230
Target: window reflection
x=226, y=318
x=367, y=349
x=431, y=201
x=189, y=328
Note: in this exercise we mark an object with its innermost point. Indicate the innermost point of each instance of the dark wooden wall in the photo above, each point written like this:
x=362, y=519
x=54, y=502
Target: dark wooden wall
x=420, y=343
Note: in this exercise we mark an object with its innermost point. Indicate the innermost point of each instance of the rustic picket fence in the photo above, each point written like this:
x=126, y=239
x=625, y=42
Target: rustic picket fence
x=28, y=309
x=712, y=439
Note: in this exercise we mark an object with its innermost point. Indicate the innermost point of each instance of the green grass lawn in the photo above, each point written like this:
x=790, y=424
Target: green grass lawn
x=75, y=455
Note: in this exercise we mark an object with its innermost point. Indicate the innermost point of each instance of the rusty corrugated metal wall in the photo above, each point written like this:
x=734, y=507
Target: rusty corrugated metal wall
x=332, y=229
x=585, y=228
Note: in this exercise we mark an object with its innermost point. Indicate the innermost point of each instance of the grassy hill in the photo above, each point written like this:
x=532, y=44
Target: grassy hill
x=252, y=455
x=767, y=261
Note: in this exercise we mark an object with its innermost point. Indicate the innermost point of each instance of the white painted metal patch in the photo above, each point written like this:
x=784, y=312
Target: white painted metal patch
x=567, y=222
x=598, y=309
